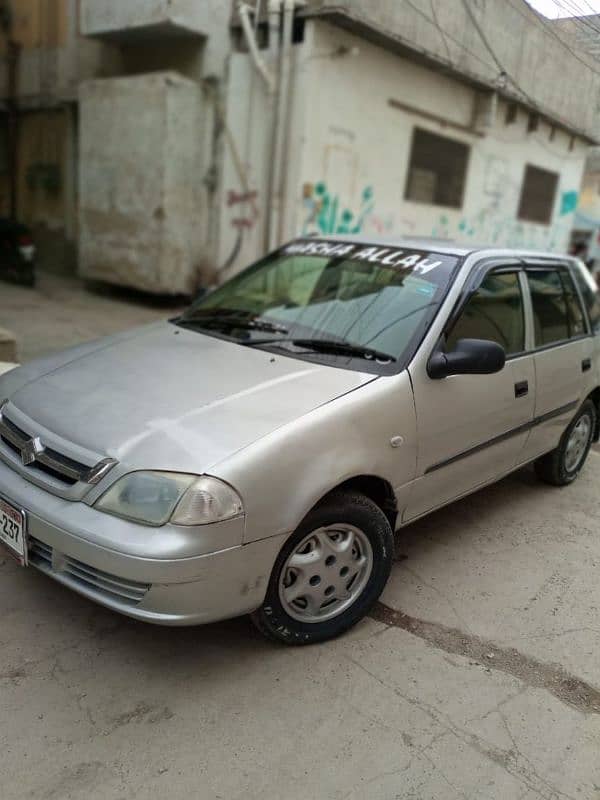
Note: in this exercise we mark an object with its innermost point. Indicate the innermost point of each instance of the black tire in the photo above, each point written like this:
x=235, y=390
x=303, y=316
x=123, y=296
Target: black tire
x=352, y=508
x=552, y=468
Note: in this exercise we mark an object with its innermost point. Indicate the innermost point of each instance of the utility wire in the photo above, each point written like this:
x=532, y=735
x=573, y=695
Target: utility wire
x=440, y=29
x=482, y=36
x=577, y=14
x=492, y=53
x=579, y=19
x=550, y=29
x=449, y=36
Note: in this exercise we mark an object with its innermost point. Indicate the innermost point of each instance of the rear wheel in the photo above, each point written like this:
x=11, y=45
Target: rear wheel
x=563, y=465
x=329, y=573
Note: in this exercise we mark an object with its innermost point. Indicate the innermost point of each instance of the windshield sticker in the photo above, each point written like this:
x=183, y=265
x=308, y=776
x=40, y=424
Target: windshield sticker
x=386, y=256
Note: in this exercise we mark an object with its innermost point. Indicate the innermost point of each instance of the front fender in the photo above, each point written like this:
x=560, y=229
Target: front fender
x=285, y=474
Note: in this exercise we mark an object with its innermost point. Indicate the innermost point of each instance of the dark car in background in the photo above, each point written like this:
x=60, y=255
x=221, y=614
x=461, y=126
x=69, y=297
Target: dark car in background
x=17, y=253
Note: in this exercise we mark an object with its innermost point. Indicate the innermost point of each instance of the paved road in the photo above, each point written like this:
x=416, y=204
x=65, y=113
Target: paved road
x=476, y=677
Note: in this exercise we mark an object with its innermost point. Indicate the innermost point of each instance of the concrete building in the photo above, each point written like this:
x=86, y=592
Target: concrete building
x=584, y=33
x=459, y=122
x=203, y=135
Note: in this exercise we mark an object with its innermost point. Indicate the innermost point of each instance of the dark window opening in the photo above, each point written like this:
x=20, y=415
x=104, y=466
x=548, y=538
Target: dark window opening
x=437, y=170
x=495, y=313
x=533, y=122
x=511, y=113
x=537, y=195
x=298, y=30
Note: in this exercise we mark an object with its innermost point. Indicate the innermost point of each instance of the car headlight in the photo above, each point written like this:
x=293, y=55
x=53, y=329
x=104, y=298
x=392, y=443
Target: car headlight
x=155, y=498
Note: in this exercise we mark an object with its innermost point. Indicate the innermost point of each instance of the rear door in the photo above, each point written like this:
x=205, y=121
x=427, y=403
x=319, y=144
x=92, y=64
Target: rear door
x=563, y=352
x=472, y=428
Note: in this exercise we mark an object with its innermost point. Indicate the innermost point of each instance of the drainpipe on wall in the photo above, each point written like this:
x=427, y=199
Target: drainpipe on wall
x=280, y=130
x=274, y=18
x=249, y=35
x=272, y=81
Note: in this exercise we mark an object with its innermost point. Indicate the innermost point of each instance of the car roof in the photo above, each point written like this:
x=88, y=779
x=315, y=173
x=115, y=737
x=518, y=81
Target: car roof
x=443, y=246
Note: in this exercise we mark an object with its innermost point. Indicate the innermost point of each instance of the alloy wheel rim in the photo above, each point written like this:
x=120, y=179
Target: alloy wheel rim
x=325, y=573
x=577, y=443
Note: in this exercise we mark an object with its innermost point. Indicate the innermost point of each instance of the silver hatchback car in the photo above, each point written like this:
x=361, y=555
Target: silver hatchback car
x=257, y=453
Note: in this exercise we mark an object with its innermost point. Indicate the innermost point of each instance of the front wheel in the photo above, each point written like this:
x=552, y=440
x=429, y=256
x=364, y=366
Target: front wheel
x=329, y=573
x=563, y=465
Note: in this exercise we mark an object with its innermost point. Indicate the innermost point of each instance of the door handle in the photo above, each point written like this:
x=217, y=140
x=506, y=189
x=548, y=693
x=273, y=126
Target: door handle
x=521, y=388
x=586, y=364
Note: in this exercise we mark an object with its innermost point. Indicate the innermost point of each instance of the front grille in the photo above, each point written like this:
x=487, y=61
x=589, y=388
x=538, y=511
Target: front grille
x=37, y=457
x=40, y=553
x=78, y=574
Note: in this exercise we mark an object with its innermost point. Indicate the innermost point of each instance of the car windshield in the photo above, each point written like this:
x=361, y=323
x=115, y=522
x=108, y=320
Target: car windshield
x=339, y=300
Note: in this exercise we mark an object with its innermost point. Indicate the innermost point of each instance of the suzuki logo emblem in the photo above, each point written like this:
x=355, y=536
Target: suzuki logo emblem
x=31, y=450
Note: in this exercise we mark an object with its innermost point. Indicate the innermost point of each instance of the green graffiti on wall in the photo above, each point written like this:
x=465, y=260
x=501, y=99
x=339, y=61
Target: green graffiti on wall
x=568, y=202
x=326, y=214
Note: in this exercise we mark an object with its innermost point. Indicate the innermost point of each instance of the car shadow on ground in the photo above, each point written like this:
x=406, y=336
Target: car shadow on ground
x=465, y=517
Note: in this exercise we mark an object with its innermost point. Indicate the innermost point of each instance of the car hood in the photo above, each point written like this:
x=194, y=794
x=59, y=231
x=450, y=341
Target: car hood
x=163, y=397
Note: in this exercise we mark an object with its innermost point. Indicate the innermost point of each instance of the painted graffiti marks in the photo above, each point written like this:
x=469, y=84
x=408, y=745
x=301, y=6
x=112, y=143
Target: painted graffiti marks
x=568, y=202
x=326, y=214
x=234, y=199
x=495, y=221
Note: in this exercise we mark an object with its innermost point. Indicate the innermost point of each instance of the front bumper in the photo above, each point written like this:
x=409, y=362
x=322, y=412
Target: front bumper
x=78, y=547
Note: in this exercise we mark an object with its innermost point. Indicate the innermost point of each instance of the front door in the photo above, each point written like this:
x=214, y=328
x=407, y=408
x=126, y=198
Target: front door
x=472, y=428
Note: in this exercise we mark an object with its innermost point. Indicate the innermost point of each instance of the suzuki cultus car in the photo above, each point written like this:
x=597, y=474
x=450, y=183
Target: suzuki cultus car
x=257, y=453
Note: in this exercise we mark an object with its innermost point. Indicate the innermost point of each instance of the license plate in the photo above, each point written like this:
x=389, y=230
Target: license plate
x=12, y=531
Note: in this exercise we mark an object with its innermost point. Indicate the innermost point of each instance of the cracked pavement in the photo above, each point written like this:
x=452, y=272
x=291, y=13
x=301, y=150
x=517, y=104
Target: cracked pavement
x=477, y=676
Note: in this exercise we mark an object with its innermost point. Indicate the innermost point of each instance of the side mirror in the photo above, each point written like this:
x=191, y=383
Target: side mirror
x=469, y=357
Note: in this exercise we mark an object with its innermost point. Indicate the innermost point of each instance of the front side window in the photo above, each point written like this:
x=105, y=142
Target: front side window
x=495, y=313
x=557, y=312
x=326, y=297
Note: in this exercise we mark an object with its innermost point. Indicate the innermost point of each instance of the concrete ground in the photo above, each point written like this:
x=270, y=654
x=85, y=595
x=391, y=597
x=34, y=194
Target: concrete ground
x=60, y=312
x=477, y=676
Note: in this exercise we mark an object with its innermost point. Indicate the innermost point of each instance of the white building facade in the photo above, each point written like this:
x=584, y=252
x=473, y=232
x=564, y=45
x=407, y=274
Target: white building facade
x=189, y=144
x=383, y=146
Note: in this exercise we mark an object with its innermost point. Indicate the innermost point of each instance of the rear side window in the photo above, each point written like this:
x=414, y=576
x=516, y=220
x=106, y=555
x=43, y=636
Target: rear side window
x=589, y=292
x=557, y=312
x=495, y=312
x=574, y=310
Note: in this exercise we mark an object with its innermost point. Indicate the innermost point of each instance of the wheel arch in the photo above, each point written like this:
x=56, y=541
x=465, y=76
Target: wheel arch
x=594, y=396
x=376, y=488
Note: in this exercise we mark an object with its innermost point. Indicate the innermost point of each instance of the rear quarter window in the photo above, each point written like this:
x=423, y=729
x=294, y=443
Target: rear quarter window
x=589, y=292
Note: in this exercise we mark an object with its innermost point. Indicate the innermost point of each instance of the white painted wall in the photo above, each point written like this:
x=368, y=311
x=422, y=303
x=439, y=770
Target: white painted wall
x=544, y=60
x=141, y=214
x=356, y=149
x=350, y=149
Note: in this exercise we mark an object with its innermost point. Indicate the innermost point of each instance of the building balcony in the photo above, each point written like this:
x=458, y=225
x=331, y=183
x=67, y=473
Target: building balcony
x=144, y=19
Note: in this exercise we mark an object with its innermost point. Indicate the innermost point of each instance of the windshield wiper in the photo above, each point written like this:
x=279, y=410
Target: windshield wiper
x=331, y=346
x=342, y=348
x=225, y=318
